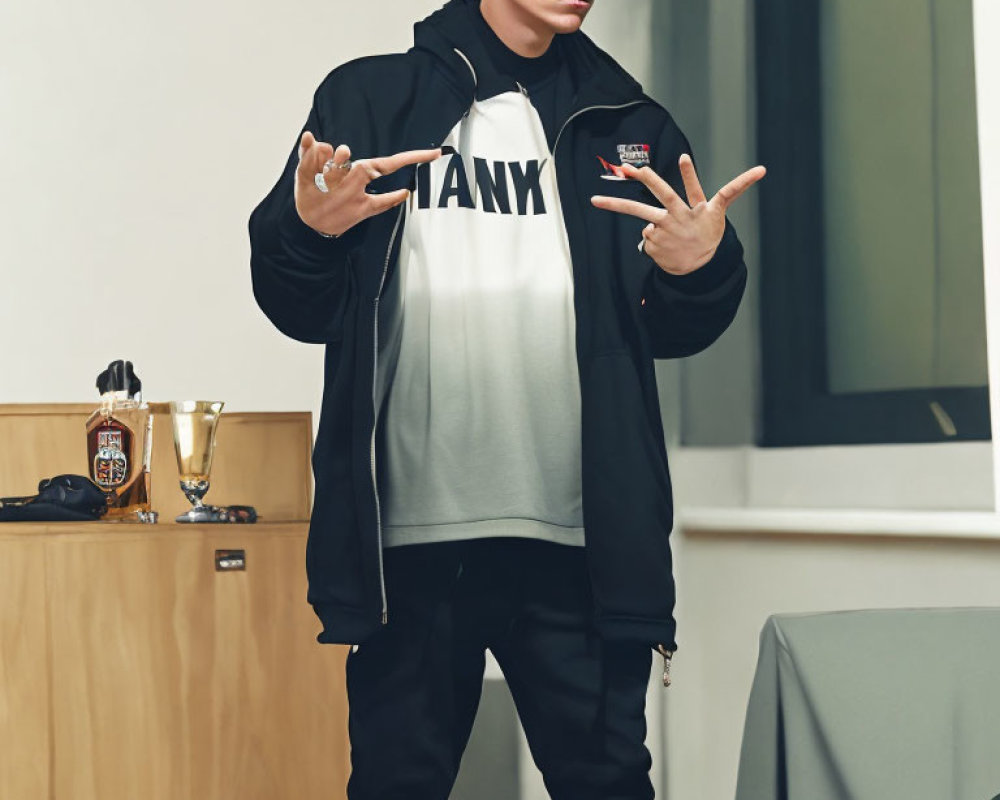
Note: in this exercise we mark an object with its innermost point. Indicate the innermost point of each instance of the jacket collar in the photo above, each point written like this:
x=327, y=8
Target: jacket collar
x=589, y=76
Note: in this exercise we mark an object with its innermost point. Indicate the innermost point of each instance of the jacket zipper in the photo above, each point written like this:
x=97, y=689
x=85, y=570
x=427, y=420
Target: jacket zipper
x=575, y=114
x=663, y=651
x=378, y=509
x=667, y=656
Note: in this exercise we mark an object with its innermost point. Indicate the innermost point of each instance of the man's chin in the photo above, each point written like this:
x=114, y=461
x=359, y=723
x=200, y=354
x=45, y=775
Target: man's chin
x=566, y=23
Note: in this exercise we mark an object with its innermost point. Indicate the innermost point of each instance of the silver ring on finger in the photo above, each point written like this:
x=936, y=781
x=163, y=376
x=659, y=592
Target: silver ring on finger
x=319, y=176
x=645, y=234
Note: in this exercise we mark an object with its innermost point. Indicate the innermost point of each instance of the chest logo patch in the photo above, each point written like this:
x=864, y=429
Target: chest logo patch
x=635, y=154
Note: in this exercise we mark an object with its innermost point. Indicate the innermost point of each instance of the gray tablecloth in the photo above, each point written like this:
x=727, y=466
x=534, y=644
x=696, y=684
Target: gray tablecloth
x=888, y=704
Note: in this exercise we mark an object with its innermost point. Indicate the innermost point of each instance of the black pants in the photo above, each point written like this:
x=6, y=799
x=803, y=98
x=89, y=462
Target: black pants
x=413, y=688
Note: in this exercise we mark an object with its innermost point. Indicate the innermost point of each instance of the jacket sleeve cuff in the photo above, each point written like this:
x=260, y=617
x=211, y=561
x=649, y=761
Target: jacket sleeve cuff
x=302, y=239
x=307, y=246
x=709, y=276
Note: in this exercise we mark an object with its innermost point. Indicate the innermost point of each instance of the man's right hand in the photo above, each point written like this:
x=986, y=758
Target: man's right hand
x=346, y=203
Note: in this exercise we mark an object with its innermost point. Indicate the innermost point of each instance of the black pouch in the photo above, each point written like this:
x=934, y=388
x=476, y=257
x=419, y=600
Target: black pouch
x=62, y=498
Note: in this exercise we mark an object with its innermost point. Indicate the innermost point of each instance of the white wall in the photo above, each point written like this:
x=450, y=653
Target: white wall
x=135, y=139
x=986, y=21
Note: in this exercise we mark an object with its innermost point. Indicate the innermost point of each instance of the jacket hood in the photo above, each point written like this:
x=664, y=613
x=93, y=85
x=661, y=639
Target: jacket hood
x=591, y=75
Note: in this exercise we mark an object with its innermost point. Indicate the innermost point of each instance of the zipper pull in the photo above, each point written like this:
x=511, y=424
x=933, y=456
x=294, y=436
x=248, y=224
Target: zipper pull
x=667, y=656
x=521, y=88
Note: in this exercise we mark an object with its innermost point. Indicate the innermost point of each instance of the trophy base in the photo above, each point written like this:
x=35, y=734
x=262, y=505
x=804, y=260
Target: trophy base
x=218, y=514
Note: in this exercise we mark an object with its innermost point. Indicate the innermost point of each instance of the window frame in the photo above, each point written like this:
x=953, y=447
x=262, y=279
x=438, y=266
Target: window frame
x=796, y=407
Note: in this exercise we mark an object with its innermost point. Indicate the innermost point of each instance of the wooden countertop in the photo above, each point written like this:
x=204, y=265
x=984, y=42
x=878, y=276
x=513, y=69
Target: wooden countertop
x=101, y=529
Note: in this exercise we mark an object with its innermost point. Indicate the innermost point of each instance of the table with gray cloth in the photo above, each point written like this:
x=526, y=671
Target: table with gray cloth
x=886, y=704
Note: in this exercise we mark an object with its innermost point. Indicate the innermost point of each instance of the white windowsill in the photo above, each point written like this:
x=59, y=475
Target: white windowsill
x=860, y=522
x=916, y=485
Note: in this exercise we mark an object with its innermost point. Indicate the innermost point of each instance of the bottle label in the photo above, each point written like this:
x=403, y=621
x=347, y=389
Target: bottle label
x=110, y=462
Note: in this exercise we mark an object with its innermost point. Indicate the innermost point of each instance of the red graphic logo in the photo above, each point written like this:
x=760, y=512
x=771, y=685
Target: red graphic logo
x=612, y=172
x=635, y=154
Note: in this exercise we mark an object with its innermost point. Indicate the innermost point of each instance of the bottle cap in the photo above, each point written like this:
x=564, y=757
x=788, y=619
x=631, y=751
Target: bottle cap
x=119, y=377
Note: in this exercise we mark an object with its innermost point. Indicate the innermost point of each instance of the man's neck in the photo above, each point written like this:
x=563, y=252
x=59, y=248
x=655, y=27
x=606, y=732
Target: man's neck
x=522, y=35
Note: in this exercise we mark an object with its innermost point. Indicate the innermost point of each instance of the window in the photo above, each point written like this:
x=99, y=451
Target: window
x=871, y=280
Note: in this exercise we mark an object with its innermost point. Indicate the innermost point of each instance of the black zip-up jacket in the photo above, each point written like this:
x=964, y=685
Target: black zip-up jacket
x=628, y=312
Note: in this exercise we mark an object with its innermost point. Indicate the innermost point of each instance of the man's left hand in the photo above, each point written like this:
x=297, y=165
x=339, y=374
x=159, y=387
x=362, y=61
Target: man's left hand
x=681, y=238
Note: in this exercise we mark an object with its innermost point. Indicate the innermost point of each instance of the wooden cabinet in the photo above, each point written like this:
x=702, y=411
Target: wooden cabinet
x=132, y=667
x=25, y=709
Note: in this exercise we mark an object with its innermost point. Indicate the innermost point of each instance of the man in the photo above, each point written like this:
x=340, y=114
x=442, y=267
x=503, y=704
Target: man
x=492, y=289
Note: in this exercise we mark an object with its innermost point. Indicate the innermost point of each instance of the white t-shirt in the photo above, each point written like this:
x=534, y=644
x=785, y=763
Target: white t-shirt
x=482, y=423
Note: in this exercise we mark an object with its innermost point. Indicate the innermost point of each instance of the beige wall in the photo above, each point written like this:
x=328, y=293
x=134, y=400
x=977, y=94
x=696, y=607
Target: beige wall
x=986, y=21
x=135, y=139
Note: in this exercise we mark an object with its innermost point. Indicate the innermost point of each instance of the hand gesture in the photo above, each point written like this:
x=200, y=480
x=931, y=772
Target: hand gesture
x=345, y=203
x=680, y=238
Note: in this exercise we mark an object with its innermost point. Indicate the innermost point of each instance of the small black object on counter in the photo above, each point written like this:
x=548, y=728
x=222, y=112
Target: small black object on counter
x=62, y=498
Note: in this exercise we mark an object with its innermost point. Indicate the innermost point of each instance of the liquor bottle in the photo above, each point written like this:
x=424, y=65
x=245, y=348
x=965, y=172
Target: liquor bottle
x=119, y=444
